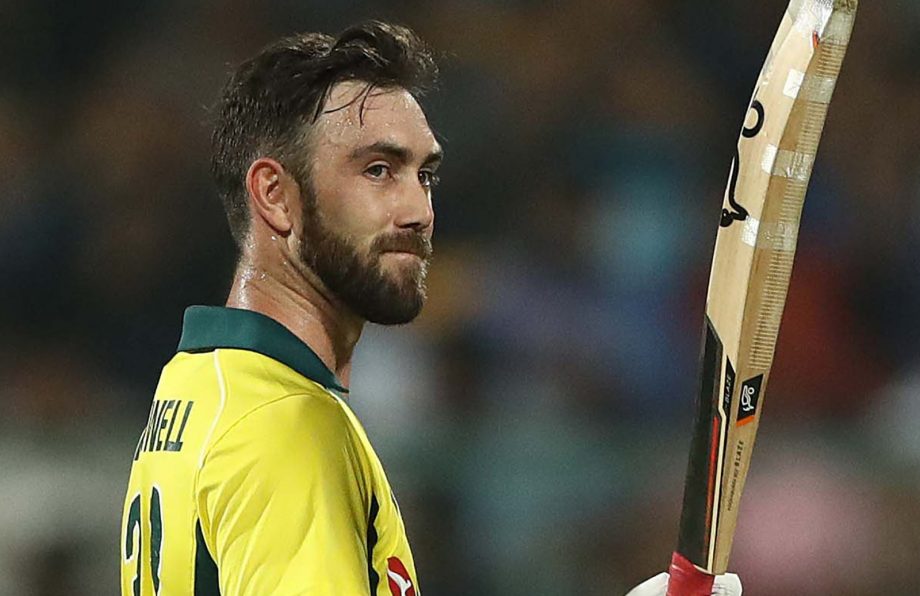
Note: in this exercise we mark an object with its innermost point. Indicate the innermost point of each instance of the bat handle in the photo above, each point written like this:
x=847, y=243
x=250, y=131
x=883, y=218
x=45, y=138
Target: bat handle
x=687, y=579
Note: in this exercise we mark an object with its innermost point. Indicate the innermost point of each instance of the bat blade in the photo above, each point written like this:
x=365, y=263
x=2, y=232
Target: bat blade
x=751, y=269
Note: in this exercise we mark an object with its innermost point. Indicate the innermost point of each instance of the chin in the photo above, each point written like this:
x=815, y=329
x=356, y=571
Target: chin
x=393, y=292
x=399, y=308
x=395, y=317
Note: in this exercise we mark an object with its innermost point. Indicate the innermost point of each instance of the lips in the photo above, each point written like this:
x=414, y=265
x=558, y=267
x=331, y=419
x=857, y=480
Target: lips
x=404, y=252
x=413, y=244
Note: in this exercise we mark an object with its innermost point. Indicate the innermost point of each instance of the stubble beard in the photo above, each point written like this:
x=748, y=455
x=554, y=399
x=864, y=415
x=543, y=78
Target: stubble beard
x=358, y=280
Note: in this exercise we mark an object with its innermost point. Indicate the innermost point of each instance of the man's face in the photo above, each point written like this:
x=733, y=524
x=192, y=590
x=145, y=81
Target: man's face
x=367, y=216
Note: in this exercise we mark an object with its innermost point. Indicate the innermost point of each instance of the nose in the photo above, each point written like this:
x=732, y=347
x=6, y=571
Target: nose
x=415, y=210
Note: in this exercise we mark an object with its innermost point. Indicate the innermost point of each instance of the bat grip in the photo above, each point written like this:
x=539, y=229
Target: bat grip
x=687, y=580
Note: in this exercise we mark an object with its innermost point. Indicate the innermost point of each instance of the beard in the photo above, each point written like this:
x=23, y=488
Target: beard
x=359, y=280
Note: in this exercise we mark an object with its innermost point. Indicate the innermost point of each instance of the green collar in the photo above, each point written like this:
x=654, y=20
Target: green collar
x=206, y=328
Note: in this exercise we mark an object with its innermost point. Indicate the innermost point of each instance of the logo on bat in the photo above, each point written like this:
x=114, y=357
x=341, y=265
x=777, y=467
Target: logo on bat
x=738, y=212
x=750, y=395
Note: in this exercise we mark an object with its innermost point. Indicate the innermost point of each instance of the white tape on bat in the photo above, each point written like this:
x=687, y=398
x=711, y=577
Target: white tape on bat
x=749, y=231
x=793, y=83
x=787, y=164
x=769, y=158
x=818, y=89
x=813, y=87
x=811, y=16
x=839, y=29
x=770, y=236
x=778, y=236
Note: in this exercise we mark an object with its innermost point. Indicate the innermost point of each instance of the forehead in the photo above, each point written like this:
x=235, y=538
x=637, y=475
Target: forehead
x=353, y=117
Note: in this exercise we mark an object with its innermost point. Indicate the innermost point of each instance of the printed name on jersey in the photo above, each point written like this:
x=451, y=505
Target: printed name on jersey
x=398, y=578
x=163, y=417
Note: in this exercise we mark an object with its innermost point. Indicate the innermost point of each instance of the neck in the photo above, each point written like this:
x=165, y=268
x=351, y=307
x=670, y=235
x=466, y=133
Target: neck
x=300, y=303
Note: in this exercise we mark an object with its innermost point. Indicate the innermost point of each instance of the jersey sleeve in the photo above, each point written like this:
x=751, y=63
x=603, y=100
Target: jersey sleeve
x=283, y=502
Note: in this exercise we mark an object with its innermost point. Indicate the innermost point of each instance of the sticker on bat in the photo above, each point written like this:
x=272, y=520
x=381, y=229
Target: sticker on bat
x=729, y=387
x=738, y=212
x=749, y=398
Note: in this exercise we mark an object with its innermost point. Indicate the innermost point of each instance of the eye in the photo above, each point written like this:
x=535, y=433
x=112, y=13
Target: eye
x=428, y=178
x=377, y=171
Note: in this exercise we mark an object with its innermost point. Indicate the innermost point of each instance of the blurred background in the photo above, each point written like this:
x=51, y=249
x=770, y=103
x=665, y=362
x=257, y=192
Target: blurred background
x=535, y=421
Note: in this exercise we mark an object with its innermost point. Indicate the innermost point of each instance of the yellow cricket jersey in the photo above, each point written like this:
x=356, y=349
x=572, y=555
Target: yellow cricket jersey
x=253, y=477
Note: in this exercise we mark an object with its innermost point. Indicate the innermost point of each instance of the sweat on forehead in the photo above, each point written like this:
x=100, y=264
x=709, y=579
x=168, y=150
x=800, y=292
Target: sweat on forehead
x=355, y=111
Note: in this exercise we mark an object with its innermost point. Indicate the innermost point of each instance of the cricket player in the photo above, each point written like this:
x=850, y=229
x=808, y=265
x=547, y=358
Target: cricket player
x=252, y=476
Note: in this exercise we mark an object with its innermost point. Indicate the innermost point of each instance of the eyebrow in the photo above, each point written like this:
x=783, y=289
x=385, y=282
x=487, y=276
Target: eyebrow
x=396, y=152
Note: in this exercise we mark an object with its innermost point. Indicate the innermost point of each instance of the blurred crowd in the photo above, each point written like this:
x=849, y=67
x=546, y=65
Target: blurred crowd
x=535, y=420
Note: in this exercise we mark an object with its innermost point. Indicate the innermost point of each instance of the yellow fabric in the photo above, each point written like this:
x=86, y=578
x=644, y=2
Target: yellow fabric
x=278, y=473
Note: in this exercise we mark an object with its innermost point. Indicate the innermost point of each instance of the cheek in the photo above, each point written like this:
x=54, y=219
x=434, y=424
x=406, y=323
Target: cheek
x=355, y=213
x=351, y=205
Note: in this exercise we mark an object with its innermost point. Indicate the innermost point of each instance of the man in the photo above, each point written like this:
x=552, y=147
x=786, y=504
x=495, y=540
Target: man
x=252, y=476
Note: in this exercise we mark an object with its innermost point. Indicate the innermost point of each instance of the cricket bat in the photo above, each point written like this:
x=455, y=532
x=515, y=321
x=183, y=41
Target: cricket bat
x=751, y=268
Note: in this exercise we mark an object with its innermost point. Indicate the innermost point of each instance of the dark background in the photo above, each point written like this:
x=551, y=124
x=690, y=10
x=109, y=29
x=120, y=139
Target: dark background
x=535, y=421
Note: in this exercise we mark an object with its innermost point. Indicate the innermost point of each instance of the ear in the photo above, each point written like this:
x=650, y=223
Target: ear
x=272, y=193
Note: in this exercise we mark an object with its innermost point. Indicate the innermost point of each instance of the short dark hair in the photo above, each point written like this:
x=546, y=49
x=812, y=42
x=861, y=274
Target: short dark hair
x=271, y=100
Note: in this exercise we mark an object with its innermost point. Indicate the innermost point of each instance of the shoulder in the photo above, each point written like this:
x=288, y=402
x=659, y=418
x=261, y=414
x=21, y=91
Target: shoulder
x=315, y=420
x=264, y=399
x=302, y=438
x=295, y=441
